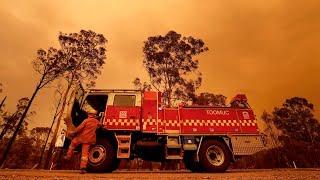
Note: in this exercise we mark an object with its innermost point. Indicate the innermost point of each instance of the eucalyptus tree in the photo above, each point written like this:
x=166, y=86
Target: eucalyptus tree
x=85, y=54
x=169, y=61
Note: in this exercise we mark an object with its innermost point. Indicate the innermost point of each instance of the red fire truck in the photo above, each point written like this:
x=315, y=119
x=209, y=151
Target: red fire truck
x=136, y=124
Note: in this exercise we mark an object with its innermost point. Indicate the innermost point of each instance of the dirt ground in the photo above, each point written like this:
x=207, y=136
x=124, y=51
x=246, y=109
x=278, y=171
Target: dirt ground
x=234, y=174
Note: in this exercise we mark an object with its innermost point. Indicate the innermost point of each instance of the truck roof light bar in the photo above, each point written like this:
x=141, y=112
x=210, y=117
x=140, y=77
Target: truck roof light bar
x=113, y=90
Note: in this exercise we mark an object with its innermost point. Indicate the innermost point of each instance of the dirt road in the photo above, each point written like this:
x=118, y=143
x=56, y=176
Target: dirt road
x=240, y=174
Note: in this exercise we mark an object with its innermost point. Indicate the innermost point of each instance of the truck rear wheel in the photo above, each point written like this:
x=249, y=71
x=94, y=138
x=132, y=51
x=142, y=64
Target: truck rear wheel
x=102, y=157
x=214, y=156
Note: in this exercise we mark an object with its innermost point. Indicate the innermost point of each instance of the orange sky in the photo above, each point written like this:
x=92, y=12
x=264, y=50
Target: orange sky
x=268, y=49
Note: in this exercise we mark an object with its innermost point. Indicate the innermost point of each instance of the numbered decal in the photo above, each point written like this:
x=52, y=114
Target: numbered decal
x=245, y=115
x=122, y=114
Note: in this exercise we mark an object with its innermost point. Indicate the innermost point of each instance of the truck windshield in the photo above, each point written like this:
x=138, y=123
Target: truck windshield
x=124, y=100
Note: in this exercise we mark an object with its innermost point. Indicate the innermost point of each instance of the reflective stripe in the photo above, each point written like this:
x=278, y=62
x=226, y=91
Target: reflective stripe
x=172, y=123
x=193, y=122
x=122, y=122
x=150, y=122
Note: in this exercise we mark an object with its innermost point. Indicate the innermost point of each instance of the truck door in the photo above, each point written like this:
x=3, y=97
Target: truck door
x=75, y=115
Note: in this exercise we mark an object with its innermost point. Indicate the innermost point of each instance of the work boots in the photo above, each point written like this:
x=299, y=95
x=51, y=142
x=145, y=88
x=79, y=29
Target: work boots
x=83, y=171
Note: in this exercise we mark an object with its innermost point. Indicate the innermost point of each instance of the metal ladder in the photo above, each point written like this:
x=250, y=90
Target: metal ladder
x=124, y=144
x=174, y=147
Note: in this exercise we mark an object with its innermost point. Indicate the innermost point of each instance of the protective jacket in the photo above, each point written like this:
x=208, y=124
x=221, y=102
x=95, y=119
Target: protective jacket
x=85, y=133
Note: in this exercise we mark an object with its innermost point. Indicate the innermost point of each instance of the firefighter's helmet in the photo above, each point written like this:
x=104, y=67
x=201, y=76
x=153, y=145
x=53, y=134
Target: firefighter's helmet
x=89, y=109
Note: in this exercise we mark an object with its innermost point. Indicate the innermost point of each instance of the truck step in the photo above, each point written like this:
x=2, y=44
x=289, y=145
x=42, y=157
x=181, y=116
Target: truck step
x=173, y=141
x=172, y=146
x=124, y=146
x=174, y=157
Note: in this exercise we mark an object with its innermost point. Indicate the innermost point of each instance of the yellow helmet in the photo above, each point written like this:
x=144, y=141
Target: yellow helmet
x=89, y=109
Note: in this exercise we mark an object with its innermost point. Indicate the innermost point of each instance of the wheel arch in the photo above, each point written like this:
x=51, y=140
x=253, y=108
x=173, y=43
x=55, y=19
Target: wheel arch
x=103, y=134
x=223, y=139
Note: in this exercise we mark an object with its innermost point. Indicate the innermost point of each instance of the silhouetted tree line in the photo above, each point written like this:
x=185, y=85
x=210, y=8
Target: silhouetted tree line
x=25, y=150
x=292, y=136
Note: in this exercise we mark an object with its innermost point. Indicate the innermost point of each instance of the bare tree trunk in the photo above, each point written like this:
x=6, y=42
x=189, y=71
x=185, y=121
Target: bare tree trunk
x=64, y=102
x=53, y=120
x=169, y=97
x=7, y=125
x=2, y=102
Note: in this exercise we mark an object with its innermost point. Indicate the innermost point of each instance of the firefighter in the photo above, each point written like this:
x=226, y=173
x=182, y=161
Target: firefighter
x=84, y=134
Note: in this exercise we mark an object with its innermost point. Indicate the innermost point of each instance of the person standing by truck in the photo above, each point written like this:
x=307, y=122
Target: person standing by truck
x=84, y=134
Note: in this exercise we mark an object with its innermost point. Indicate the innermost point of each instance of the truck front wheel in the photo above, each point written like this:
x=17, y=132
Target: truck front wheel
x=102, y=157
x=214, y=156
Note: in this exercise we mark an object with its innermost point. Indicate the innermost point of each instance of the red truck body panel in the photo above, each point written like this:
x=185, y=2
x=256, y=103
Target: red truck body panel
x=151, y=118
x=217, y=121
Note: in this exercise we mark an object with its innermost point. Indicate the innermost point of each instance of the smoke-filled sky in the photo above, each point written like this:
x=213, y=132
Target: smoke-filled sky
x=267, y=49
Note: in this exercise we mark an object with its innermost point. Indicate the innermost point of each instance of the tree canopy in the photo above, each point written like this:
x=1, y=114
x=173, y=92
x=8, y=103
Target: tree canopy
x=210, y=99
x=296, y=120
x=169, y=61
x=141, y=86
x=85, y=54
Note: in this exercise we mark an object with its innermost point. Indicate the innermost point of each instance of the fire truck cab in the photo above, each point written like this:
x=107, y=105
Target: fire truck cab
x=136, y=124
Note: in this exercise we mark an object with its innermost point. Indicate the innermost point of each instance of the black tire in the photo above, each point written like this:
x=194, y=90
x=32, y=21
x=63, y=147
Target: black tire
x=214, y=156
x=190, y=162
x=102, y=157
